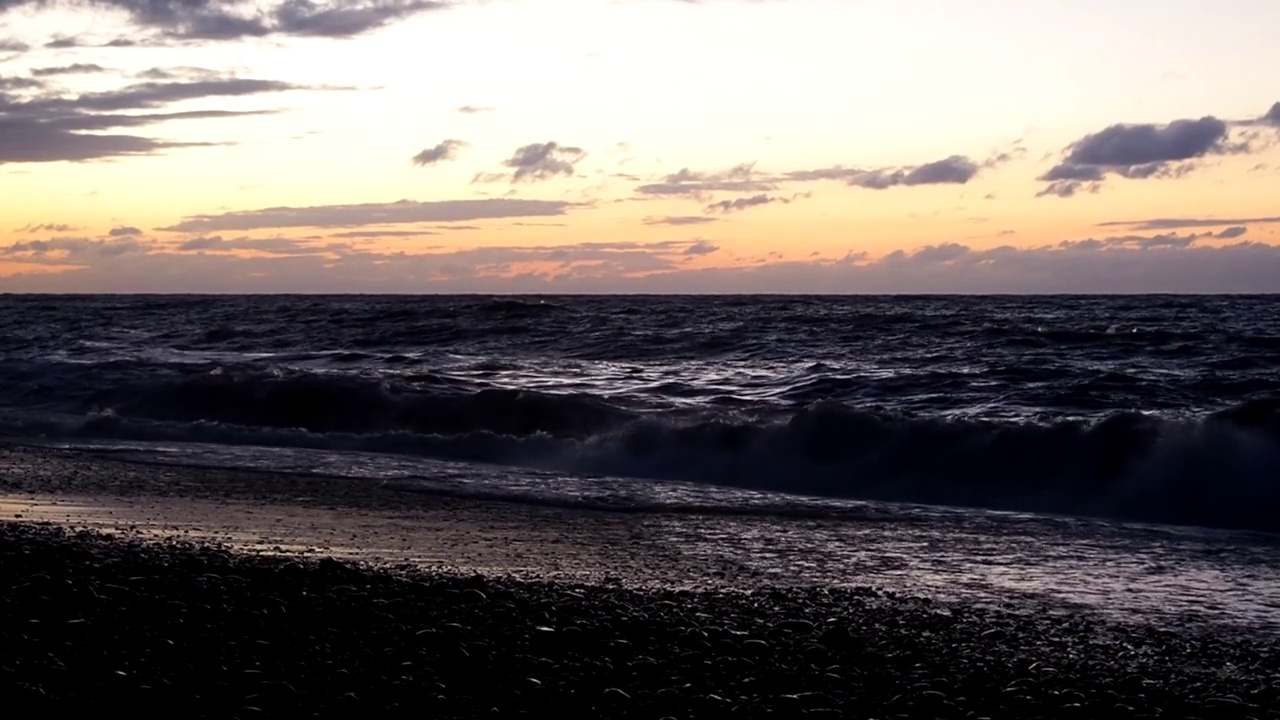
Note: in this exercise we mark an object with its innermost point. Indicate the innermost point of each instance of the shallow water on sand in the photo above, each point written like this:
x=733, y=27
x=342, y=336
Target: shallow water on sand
x=1163, y=574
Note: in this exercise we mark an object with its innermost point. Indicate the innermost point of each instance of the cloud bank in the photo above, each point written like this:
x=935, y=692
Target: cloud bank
x=1170, y=262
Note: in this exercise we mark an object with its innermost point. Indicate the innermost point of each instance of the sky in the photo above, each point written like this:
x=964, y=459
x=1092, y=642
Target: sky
x=689, y=146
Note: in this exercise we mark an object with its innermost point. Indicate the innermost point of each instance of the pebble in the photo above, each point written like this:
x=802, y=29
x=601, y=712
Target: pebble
x=88, y=622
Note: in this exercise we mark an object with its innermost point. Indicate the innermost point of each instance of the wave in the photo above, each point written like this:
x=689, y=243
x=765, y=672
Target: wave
x=422, y=403
x=1216, y=470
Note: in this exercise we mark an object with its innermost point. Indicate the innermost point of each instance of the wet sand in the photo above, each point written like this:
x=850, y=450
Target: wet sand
x=214, y=593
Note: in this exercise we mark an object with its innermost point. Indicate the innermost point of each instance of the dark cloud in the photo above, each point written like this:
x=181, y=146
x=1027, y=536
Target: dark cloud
x=1179, y=223
x=51, y=129
x=1232, y=232
x=404, y=211
x=539, y=161
x=678, y=220
x=72, y=69
x=474, y=109
x=1140, y=152
x=446, y=150
x=124, y=231
x=740, y=204
x=235, y=19
x=741, y=178
x=13, y=46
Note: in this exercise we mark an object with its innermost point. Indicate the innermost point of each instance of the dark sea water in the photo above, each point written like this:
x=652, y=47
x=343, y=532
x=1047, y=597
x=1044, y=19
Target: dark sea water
x=1160, y=409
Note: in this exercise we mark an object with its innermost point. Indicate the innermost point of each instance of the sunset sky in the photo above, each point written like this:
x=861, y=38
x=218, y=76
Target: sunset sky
x=640, y=146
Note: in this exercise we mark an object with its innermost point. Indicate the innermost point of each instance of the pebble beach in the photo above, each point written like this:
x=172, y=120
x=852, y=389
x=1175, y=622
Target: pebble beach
x=103, y=616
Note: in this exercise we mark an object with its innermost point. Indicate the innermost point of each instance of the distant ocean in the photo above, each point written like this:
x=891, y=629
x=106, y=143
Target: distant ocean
x=1152, y=408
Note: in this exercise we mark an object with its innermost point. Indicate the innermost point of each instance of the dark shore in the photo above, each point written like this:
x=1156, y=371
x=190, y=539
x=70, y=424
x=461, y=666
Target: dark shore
x=137, y=618
x=91, y=621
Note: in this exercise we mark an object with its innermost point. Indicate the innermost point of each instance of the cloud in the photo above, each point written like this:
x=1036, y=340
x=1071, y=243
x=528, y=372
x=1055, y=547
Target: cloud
x=236, y=19
x=475, y=109
x=403, y=211
x=124, y=231
x=371, y=234
x=446, y=150
x=53, y=128
x=72, y=69
x=741, y=178
x=48, y=227
x=744, y=178
x=740, y=204
x=701, y=247
x=1180, y=223
x=953, y=170
x=275, y=246
x=679, y=220
x=18, y=83
x=1273, y=116
x=1141, y=242
x=1139, y=152
x=539, y=161
x=1122, y=265
x=8, y=45
x=73, y=247
x=1232, y=232
x=179, y=73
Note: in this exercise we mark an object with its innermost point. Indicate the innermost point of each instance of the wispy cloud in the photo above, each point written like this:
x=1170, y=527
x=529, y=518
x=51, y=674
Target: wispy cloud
x=53, y=128
x=741, y=178
x=746, y=179
x=375, y=234
x=678, y=220
x=404, y=211
x=72, y=69
x=18, y=83
x=273, y=246
x=953, y=170
x=1189, y=222
x=744, y=203
x=475, y=109
x=48, y=227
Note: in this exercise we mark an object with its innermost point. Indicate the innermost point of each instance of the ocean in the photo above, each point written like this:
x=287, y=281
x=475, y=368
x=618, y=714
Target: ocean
x=1120, y=453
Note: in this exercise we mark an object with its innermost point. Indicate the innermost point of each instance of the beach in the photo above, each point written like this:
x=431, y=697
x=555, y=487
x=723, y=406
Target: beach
x=225, y=593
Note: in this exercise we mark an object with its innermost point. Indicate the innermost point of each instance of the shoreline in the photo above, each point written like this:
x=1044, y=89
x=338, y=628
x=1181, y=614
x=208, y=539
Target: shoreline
x=217, y=594
x=167, y=625
x=1174, y=579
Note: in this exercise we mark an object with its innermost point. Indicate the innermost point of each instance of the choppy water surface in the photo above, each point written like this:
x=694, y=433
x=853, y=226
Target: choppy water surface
x=828, y=412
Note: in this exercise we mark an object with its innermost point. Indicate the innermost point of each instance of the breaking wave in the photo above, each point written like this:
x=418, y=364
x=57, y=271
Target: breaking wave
x=1216, y=469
